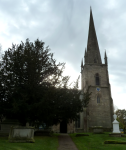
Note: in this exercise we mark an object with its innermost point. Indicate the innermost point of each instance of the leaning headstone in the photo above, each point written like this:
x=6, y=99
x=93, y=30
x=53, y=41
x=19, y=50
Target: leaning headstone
x=21, y=134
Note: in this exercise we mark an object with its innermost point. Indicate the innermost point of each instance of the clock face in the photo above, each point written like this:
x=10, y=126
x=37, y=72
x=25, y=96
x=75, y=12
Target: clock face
x=98, y=89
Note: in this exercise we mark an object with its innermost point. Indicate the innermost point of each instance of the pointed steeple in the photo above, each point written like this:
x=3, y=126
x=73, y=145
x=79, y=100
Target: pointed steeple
x=93, y=52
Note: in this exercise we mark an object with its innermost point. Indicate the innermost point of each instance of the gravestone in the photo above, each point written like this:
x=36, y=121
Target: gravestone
x=116, y=132
x=21, y=134
x=115, y=125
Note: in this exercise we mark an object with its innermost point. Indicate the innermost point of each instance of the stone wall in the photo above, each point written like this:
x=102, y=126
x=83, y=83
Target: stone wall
x=56, y=128
x=100, y=114
x=70, y=128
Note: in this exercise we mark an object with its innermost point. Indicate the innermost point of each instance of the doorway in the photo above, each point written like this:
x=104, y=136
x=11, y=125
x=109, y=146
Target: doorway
x=63, y=127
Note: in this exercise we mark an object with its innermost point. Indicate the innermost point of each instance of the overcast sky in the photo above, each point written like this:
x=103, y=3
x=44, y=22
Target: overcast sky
x=63, y=25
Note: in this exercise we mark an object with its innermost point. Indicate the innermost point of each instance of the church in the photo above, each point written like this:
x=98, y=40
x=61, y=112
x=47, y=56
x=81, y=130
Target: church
x=94, y=75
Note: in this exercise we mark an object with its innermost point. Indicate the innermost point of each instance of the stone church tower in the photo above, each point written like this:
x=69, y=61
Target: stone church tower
x=94, y=74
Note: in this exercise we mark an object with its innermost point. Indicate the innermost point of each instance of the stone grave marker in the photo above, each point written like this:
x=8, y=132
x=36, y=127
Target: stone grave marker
x=116, y=132
x=21, y=134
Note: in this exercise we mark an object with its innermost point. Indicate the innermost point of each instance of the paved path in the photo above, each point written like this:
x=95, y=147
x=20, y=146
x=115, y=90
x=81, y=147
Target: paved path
x=65, y=143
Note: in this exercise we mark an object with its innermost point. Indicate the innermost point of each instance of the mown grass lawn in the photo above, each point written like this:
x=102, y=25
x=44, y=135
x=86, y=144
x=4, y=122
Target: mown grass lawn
x=96, y=142
x=41, y=143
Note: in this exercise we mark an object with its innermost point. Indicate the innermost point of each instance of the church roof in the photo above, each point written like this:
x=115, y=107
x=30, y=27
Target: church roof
x=93, y=53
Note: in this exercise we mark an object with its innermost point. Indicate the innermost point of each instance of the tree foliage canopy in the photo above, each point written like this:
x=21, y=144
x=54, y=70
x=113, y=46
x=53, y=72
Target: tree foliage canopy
x=32, y=87
x=120, y=117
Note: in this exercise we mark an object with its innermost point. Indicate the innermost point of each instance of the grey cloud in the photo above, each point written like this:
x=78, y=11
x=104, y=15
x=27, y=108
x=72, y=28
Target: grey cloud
x=63, y=25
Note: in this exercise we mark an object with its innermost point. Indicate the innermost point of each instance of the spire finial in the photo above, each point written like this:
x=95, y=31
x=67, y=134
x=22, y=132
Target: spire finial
x=90, y=8
x=105, y=54
x=85, y=52
x=106, y=61
x=82, y=63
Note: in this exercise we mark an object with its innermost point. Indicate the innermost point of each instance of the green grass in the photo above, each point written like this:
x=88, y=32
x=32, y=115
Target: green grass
x=41, y=143
x=96, y=142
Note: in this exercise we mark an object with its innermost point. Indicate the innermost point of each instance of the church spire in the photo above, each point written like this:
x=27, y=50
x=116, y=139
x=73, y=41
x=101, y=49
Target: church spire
x=93, y=53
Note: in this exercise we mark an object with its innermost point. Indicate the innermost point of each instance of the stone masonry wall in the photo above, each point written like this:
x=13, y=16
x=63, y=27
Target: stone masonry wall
x=99, y=113
x=70, y=128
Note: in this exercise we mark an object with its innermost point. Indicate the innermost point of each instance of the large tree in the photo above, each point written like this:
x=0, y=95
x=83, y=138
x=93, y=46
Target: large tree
x=121, y=113
x=33, y=88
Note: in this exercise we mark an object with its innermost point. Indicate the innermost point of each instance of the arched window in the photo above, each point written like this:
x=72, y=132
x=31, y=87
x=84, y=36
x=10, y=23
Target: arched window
x=97, y=79
x=98, y=99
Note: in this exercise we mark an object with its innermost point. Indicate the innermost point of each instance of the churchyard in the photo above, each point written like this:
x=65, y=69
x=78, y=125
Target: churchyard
x=34, y=92
x=91, y=142
x=19, y=139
